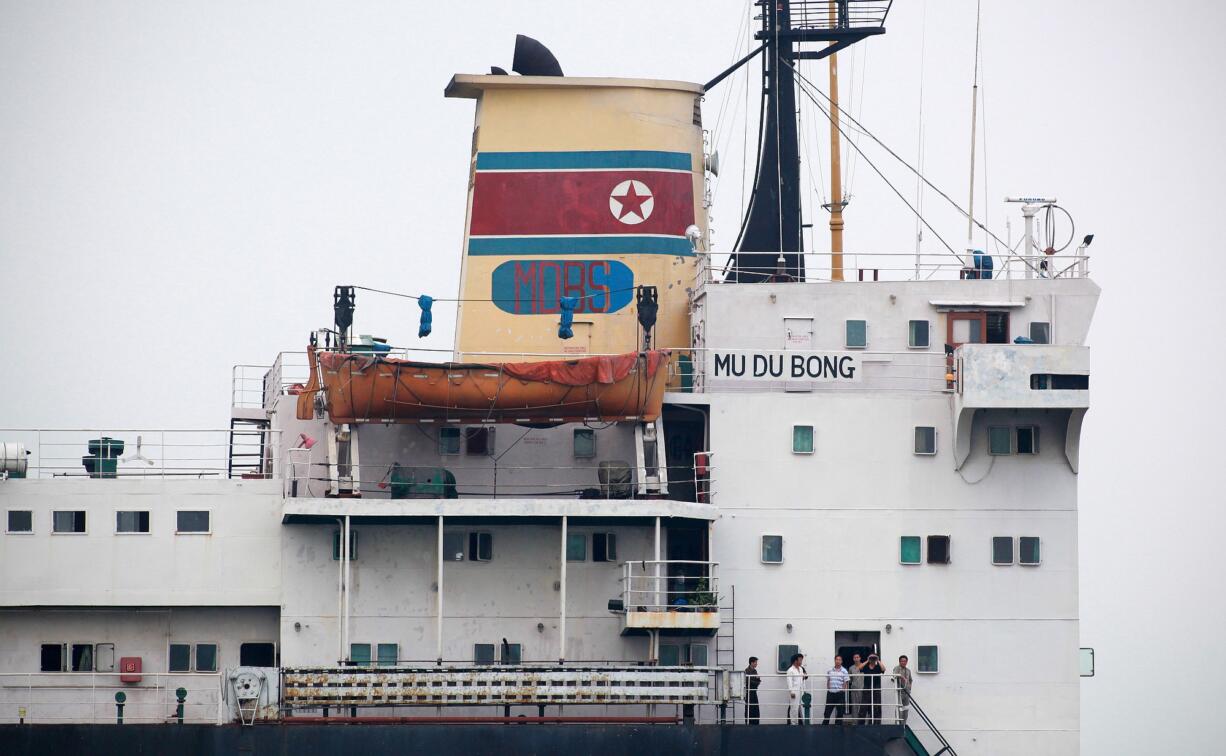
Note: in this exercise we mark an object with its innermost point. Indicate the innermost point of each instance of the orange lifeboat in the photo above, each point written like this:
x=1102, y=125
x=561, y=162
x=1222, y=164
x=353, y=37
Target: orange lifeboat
x=359, y=388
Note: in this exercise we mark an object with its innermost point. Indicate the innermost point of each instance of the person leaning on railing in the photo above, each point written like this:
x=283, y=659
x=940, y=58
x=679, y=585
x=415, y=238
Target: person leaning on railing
x=902, y=678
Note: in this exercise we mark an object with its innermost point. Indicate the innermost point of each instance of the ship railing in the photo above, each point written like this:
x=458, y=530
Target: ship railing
x=248, y=386
x=670, y=585
x=837, y=14
x=898, y=266
x=147, y=452
x=780, y=699
x=90, y=697
x=307, y=474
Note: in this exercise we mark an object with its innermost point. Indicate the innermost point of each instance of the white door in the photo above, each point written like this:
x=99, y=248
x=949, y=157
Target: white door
x=798, y=337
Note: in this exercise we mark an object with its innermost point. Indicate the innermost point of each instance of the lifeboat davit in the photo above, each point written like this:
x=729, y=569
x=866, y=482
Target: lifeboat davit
x=361, y=388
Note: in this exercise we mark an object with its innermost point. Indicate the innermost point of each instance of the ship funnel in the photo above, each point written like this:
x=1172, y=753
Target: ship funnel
x=534, y=59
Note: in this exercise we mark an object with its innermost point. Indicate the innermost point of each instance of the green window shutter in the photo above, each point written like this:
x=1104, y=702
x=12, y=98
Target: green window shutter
x=359, y=653
x=802, y=439
x=389, y=654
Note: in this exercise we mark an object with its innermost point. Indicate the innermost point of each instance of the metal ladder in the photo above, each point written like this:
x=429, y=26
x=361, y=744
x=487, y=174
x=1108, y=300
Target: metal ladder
x=247, y=446
x=725, y=636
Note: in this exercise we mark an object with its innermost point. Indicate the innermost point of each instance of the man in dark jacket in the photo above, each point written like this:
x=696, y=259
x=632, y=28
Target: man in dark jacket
x=870, y=711
x=752, y=681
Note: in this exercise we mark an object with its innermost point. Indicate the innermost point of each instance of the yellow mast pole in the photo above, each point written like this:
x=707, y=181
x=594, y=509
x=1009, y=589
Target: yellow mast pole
x=836, y=182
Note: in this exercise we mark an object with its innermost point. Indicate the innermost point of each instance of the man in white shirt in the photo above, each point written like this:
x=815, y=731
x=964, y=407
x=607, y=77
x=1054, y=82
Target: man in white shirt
x=796, y=686
x=836, y=692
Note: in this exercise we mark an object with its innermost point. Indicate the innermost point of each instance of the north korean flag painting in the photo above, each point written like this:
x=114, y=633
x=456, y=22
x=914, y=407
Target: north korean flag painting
x=595, y=202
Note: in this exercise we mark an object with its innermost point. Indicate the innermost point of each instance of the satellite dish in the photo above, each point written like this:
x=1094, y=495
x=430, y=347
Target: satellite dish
x=711, y=163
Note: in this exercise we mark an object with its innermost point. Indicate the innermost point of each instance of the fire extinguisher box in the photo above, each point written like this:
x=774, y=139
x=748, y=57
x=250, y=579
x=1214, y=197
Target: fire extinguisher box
x=129, y=669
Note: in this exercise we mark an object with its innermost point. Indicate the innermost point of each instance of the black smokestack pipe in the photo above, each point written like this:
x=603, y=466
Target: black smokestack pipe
x=534, y=59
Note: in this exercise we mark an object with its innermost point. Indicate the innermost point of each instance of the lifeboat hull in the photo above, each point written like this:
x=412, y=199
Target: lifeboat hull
x=371, y=389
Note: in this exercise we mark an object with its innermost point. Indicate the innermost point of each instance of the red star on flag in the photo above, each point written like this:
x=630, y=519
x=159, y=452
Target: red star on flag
x=631, y=202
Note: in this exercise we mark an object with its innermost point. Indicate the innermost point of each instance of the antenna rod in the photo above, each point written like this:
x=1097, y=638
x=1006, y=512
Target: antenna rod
x=836, y=183
x=970, y=208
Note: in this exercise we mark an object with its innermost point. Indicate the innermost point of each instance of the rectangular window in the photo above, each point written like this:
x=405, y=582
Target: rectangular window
x=785, y=657
x=670, y=655
x=68, y=522
x=21, y=521
x=917, y=334
x=938, y=549
x=857, y=334
x=966, y=330
x=604, y=547
x=926, y=659
x=448, y=440
x=1086, y=659
x=576, y=547
x=998, y=327
x=1027, y=439
x=802, y=439
x=52, y=657
x=179, y=659
x=909, y=550
x=1059, y=382
x=359, y=654
x=698, y=654
x=453, y=547
x=257, y=655
x=206, y=657
x=479, y=441
x=388, y=654
x=511, y=653
x=192, y=521
x=82, y=657
x=1002, y=550
x=1040, y=333
x=336, y=544
x=925, y=440
x=1028, y=550
x=480, y=547
x=131, y=522
x=585, y=443
x=999, y=440
x=483, y=653
x=772, y=549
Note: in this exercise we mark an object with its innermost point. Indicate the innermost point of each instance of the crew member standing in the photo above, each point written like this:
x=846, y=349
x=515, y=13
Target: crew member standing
x=752, y=681
x=871, y=708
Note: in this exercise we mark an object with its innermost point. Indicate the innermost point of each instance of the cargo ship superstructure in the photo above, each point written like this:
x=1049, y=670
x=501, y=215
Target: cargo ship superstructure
x=641, y=464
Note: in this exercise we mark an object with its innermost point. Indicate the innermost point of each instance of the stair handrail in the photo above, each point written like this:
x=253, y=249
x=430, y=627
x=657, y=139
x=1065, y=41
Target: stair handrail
x=945, y=746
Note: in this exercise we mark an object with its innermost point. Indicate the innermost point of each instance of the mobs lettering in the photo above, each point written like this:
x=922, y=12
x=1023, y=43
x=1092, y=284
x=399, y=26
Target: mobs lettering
x=794, y=366
x=533, y=287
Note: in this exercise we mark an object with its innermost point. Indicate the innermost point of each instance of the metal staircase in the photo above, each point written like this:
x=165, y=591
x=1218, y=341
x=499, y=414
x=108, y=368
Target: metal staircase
x=248, y=446
x=913, y=740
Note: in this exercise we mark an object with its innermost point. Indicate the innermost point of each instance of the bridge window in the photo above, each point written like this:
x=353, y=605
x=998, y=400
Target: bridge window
x=206, y=657
x=131, y=522
x=453, y=547
x=480, y=547
x=925, y=440
x=604, y=547
x=388, y=654
x=52, y=657
x=1057, y=382
x=21, y=521
x=68, y=522
x=1040, y=333
x=802, y=439
x=585, y=443
x=257, y=655
x=479, y=441
x=576, y=547
x=1002, y=550
x=1028, y=550
x=192, y=521
x=926, y=659
x=179, y=658
x=448, y=440
x=999, y=440
x=910, y=548
x=483, y=653
x=772, y=549
x=857, y=334
x=1027, y=439
x=917, y=334
x=336, y=544
x=938, y=549
x=359, y=654
x=512, y=653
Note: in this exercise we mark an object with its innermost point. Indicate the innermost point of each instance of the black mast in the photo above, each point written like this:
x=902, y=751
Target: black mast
x=770, y=243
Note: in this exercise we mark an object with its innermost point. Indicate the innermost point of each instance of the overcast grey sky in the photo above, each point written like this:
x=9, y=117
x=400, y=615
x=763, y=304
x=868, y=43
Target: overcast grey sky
x=182, y=184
